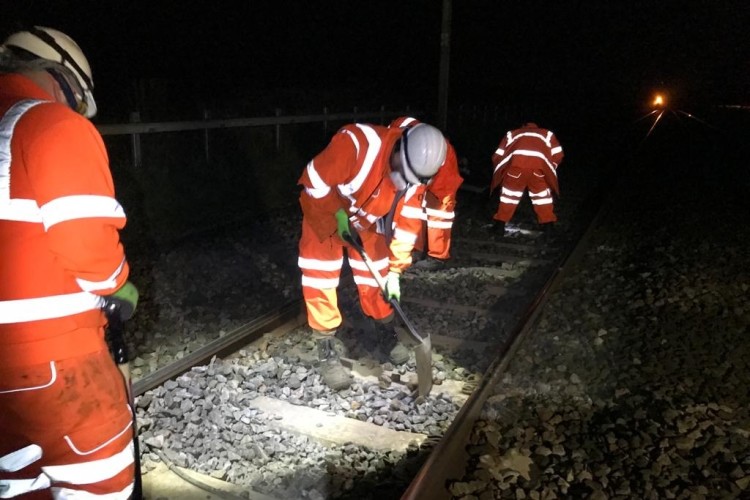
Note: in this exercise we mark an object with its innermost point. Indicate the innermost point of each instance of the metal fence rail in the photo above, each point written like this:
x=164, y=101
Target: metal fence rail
x=136, y=128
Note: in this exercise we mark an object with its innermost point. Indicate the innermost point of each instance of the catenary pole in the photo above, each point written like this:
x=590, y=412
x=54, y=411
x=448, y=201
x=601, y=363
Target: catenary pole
x=445, y=49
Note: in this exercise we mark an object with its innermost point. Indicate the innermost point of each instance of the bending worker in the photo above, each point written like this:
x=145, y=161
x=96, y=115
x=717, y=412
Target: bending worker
x=527, y=158
x=355, y=181
x=65, y=425
x=434, y=206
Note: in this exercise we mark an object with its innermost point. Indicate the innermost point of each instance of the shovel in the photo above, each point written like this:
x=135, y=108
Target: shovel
x=115, y=335
x=423, y=347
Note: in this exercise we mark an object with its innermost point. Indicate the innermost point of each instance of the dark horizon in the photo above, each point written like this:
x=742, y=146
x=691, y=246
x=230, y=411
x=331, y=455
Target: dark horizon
x=575, y=53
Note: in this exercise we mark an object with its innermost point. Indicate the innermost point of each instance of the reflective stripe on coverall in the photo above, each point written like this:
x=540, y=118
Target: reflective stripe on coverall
x=527, y=158
x=440, y=207
x=66, y=426
x=352, y=173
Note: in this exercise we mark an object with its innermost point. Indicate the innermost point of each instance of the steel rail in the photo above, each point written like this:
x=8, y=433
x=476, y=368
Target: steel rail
x=221, y=346
x=448, y=460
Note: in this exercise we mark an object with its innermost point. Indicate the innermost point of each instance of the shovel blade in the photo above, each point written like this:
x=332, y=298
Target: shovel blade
x=422, y=350
x=423, y=358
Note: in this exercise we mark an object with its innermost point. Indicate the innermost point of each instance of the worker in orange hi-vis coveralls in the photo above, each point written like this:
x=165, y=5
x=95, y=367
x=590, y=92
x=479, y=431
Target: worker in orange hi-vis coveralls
x=354, y=182
x=66, y=430
x=527, y=158
x=435, y=204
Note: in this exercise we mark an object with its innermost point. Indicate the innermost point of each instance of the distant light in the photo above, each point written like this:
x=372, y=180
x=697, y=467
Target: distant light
x=658, y=101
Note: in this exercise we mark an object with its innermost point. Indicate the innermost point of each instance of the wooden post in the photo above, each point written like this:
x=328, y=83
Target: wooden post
x=135, y=117
x=205, y=137
x=445, y=51
x=278, y=131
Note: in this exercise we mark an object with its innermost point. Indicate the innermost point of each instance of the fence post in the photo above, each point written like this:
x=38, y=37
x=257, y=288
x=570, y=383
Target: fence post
x=278, y=131
x=135, y=117
x=205, y=136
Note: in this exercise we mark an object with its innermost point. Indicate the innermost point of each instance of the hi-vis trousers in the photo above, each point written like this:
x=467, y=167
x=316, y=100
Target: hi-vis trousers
x=65, y=430
x=515, y=182
x=321, y=262
x=440, y=216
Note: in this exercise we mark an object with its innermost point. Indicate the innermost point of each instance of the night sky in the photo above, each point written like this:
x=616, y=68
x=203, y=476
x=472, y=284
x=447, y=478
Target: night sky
x=501, y=50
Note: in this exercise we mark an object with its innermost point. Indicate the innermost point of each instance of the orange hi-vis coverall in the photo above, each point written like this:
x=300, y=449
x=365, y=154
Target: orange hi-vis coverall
x=527, y=158
x=353, y=173
x=65, y=425
x=434, y=205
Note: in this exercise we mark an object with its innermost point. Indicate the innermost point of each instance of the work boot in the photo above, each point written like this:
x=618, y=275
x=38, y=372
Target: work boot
x=498, y=226
x=333, y=373
x=399, y=354
x=430, y=264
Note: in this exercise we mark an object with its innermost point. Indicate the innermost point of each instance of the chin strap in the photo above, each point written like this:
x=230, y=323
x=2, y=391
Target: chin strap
x=70, y=97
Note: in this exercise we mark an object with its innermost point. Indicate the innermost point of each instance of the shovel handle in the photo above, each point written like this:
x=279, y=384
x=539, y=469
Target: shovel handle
x=409, y=326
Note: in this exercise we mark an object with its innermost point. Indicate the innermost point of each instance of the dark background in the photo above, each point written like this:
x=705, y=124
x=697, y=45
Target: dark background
x=585, y=69
x=574, y=54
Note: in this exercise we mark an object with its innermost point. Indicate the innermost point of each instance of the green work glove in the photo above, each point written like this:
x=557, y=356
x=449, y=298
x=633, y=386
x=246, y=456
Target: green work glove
x=123, y=301
x=342, y=221
x=344, y=229
x=393, y=286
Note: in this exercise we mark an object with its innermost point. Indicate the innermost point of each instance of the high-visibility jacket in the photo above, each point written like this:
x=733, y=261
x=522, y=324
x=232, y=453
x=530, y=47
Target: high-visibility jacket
x=432, y=205
x=529, y=147
x=60, y=250
x=66, y=426
x=351, y=173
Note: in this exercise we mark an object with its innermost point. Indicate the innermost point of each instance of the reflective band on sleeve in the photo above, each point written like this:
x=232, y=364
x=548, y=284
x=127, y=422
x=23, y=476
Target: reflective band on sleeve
x=71, y=494
x=111, y=282
x=556, y=150
x=19, y=459
x=20, y=211
x=374, y=144
x=55, y=306
x=82, y=206
x=15, y=210
x=10, y=488
x=93, y=471
x=319, y=188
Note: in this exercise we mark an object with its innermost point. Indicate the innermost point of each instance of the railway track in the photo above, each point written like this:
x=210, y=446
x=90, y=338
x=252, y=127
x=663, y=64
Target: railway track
x=239, y=408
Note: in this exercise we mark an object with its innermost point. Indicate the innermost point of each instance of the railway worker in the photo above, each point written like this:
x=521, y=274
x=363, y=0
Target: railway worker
x=350, y=185
x=66, y=428
x=435, y=204
x=527, y=158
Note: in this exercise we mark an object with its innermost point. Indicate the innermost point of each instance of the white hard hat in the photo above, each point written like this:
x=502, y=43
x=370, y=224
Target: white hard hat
x=56, y=46
x=423, y=151
x=404, y=122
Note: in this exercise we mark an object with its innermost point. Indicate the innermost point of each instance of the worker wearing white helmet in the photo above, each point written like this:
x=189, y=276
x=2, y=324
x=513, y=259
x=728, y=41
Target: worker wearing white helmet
x=62, y=57
x=352, y=184
x=65, y=427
